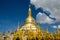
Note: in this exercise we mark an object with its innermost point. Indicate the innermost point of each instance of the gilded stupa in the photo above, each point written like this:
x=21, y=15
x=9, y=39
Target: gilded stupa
x=30, y=31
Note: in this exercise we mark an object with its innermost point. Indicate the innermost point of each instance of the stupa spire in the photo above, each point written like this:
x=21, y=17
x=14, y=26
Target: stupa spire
x=18, y=26
x=29, y=19
x=29, y=11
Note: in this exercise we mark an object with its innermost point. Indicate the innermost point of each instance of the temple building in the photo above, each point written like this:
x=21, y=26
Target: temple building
x=30, y=31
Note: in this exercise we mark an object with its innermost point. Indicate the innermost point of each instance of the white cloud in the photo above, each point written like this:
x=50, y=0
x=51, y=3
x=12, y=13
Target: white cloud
x=51, y=5
x=59, y=26
x=42, y=18
x=56, y=27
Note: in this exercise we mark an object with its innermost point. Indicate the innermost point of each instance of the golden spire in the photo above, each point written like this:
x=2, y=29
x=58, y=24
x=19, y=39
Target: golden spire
x=29, y=12
x=29, y=19
x=18, y=26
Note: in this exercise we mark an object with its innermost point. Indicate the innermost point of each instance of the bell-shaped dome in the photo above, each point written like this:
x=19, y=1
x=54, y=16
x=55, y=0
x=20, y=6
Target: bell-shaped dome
x=29, y=19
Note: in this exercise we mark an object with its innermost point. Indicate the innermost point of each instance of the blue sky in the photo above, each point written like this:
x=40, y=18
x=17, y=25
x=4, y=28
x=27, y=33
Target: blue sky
x=12, y=11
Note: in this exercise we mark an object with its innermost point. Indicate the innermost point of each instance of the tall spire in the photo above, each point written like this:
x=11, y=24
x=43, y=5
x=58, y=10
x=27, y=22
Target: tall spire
x=18, y=26
x=29, y=11
x=29, y=19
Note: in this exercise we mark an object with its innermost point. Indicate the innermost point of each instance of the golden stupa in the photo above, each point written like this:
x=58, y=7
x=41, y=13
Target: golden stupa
x=30, y=31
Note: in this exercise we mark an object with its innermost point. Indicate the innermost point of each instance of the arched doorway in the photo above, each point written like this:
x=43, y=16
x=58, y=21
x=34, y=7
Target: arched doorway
x=17, y=38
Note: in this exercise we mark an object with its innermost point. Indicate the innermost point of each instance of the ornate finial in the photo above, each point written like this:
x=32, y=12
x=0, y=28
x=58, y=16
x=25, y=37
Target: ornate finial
x=29, y=11
x=29, y=8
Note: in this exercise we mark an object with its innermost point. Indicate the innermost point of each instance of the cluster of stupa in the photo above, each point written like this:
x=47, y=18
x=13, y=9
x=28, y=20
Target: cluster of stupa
x=30, y=31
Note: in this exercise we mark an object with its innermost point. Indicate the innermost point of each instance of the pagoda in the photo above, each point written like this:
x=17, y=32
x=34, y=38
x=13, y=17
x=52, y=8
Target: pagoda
x=30, y=31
